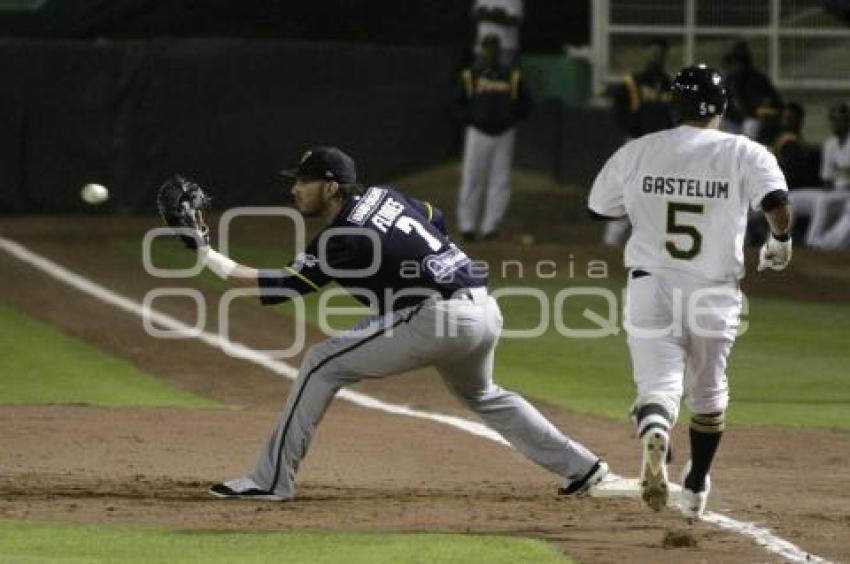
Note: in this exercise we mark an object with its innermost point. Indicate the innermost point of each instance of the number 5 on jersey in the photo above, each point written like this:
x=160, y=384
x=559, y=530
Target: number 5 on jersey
x=674, y=227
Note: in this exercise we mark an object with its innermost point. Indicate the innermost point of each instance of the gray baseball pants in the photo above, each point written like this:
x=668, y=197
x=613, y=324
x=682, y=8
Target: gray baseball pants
x=457, y=336
x=486, y=170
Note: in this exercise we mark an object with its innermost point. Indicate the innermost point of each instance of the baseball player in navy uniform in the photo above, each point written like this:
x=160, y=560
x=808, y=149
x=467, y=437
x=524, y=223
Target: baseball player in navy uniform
x=490, y=99
x=687, y=191
x=433, y=310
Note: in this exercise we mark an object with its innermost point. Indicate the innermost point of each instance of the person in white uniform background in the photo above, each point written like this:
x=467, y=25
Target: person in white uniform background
x=490, y=99
x=501, y=18
x=687, y=191
x=828, y=208
x=835, y=173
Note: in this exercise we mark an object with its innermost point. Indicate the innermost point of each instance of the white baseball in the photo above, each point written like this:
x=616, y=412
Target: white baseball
x=94, y=194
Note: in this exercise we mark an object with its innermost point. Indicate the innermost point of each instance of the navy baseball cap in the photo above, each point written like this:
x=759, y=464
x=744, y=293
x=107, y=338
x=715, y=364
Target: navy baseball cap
x=325, y=163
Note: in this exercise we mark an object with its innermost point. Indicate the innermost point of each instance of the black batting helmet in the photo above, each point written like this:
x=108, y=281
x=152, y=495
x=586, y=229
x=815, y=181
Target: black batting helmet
x=698, y=92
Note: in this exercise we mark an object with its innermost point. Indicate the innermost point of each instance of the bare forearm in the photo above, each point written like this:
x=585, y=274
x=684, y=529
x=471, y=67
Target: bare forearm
x=779, y=219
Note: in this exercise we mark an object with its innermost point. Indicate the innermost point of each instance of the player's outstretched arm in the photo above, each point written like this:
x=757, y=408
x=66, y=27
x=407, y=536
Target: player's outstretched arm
x=227, y=269
x=181, y=202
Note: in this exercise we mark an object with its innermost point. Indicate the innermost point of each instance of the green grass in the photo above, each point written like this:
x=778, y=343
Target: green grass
x=42, y=365
x=789, y=368
x=44, y=542
x=170, y=254
x=792, y=365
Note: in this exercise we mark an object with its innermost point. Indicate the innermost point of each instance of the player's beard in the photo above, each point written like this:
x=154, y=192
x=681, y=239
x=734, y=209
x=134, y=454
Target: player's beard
x=305, y=211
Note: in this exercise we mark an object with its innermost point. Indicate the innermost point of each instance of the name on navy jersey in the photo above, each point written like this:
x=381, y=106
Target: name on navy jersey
x=366, y=205
x=484, y=84
x=387, y=214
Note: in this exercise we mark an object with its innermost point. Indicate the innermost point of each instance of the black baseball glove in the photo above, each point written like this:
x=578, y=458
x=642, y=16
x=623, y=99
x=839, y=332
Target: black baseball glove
x=180, y=202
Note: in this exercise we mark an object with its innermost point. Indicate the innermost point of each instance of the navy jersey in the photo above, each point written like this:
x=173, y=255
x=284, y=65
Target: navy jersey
x=398, y=243
x=491, y=99
x=642, y=105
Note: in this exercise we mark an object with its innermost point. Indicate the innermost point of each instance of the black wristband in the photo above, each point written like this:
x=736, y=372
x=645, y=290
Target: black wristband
x=781, y=238
x=773, y=200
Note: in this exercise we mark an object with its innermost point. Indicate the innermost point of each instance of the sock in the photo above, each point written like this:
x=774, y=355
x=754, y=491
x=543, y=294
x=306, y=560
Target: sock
x=653, y=416
x=706, y=431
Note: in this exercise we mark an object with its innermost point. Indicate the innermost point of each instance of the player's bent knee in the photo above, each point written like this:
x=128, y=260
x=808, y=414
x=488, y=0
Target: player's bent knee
x=314, y=355
x=716, y=402
x=479, y=398
x=709, y=423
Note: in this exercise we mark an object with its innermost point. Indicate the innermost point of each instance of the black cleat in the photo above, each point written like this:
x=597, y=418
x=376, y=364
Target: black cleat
x=579, y=488
x=243, y=488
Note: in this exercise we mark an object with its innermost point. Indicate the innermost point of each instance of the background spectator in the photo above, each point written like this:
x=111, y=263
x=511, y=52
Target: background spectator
x=835, y=159
x=501, y=18
x=792, y=151
x=752, y=97
x=828, y=209
x=641, y=106
x=642, y=102
x=491, y=97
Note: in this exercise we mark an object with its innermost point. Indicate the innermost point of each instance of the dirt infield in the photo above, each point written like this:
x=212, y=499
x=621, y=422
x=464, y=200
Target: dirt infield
x=367, y=471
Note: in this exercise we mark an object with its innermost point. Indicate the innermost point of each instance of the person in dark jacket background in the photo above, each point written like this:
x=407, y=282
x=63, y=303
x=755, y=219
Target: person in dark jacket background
x=794, y=155
x=753, y=99
x=642, y=102
x=490, y=99
x=641, y=106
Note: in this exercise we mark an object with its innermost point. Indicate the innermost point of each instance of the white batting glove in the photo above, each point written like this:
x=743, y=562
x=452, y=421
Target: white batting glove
x=775, y=254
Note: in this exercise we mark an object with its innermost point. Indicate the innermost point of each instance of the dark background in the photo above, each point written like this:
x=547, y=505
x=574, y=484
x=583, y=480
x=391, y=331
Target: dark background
x=126, y=92
x=548, y=23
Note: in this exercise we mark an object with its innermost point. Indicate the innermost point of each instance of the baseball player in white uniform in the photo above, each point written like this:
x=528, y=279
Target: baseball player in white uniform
x=835, y=161
x=835, y=172
x=687, y=191
x=828, y=208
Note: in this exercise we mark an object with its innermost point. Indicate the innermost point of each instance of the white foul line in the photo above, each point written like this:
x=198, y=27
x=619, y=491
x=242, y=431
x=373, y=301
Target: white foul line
x=760, y=535
x=233, y=348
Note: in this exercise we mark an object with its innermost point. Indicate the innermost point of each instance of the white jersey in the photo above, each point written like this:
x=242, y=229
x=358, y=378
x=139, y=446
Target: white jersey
x=687, y=192
x=835, y=162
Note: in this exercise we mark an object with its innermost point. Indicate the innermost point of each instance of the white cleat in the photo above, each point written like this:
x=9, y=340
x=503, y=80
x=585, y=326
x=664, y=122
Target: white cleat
x=654, y=485
x=692, y=504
